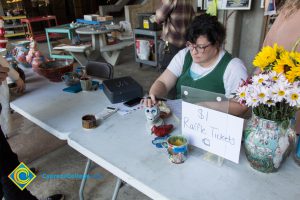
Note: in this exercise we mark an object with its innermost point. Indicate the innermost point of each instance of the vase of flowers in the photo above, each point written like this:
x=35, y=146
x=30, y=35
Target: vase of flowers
x=274, y=96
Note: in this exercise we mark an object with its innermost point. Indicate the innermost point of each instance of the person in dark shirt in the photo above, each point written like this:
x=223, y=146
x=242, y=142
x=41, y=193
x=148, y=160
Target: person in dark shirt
x=175, y=16
x=8, y=162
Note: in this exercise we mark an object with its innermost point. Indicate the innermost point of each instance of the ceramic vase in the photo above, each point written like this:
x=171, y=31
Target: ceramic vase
x=20, y=53
x=267, y=143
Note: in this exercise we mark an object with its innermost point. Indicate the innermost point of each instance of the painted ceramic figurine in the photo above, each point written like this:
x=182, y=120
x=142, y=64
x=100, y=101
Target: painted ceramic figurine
x=3, y=40
x=153, y=118
x=34, y=56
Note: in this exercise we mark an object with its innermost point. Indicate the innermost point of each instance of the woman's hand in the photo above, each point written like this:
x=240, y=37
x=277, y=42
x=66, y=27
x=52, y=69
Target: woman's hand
x=149, y=101
x=20, y=86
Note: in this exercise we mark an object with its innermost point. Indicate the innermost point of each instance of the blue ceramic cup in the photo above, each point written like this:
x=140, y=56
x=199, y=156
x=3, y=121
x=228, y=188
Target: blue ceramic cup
x=79, y=71
x=177, y=146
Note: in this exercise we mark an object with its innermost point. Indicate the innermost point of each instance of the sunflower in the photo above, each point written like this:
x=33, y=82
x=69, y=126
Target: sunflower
x=284, y=64
x=295, y=56
x=293, y=75
x=265, y=58
x=278, y=49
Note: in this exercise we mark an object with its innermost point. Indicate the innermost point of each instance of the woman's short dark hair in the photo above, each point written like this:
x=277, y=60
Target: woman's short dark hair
x=206, y=25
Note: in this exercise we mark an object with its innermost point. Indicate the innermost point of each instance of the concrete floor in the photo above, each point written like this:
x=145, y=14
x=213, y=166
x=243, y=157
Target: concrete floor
x=38, y=148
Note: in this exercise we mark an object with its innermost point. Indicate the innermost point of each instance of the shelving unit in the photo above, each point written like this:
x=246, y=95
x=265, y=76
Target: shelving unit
x=16, y=28
x=148, y=35
x=39, y=36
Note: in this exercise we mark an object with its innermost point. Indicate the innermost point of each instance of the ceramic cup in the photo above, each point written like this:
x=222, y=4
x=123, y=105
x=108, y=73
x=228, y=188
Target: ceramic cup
x=86, y=84
x=79, y=71
x=177, y=146
x=89, y=121
x=70, y=78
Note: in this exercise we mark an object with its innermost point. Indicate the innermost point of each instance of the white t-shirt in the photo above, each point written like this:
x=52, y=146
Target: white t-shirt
x=234, y=74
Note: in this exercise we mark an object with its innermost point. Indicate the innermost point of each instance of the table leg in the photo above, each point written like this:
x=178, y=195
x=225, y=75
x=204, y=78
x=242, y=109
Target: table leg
x=119, y=184
x=49, y=42
x=95, y=42
x=79, y=57
x=87, y=167
x=30, y=30
x=111, y=57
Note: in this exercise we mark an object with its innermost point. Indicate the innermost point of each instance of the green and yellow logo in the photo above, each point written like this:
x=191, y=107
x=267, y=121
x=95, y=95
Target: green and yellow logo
x=22, y=176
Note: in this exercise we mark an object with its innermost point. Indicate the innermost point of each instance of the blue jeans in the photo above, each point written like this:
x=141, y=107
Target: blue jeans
x=8, y=162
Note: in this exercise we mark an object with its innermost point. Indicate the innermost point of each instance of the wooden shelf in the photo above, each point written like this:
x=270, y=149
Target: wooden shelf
x=18, y=28
x=13, y=26
x=13, y=17
x=14, y=34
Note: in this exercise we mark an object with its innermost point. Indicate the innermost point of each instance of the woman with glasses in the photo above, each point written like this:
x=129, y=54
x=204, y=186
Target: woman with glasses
x=203, y=64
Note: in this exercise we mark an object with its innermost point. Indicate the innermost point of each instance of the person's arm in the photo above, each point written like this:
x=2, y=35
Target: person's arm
x=161, y=87
x=234, y=74
x=164, y=11
x=167, y=79
x=20, y=88
x=13, y=74
x=3, y=73
x=237, y=109
x=4, y=69
x=232, y=107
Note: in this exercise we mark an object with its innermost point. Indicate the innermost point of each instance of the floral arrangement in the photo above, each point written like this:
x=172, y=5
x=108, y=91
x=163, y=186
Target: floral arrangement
x=273, y=94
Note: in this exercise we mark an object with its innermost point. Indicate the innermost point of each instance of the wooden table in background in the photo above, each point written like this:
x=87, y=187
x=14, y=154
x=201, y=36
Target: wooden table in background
x=39, y=36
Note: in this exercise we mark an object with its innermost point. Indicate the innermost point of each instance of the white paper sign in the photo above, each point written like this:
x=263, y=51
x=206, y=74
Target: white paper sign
x=213, y=131
x=230, y=4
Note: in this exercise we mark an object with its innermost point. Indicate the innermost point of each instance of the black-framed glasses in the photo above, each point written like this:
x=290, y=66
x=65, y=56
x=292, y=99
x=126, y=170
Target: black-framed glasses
x=198, y=48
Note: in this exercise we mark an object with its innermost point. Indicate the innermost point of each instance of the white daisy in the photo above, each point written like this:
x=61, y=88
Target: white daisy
x=241, y=93
x=281, y=77
x=252, y=97
x=270, y=103
x=262, y=94
x=252, y=102
x=294, y=97
x=273, y=76
x=260, y=79
x=280, y=90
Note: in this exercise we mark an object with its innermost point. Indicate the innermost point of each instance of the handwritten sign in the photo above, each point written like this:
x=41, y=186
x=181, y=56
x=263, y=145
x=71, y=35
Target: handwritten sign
x=213, y=131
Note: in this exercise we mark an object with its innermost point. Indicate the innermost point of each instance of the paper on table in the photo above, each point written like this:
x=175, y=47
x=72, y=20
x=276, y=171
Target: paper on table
x=175, y=106
x=124, y=110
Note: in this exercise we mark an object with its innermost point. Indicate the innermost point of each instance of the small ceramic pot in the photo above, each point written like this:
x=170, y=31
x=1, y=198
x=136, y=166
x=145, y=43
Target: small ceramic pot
x=89, y=121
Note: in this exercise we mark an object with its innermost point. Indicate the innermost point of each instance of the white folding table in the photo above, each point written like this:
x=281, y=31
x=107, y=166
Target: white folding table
x=121, y=146
x=58, y=112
